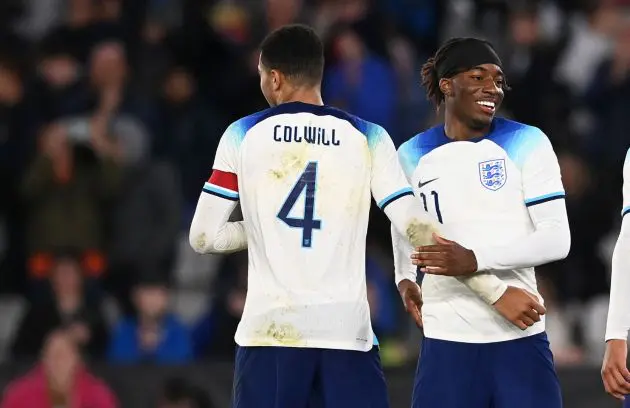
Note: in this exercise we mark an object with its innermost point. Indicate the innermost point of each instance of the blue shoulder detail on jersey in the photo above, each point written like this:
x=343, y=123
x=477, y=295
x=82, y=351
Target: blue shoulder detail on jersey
x=238, y=129
x=517, y=139
x=410, y=152
x=372, y=131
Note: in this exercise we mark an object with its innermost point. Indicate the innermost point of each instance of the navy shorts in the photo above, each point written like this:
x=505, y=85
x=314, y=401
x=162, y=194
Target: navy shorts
x=286, y=377
x=511, y=374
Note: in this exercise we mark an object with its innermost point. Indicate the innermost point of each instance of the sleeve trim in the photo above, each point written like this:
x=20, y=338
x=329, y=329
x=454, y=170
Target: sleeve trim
x=394, y=196
x=220, y=192
x=545, y=198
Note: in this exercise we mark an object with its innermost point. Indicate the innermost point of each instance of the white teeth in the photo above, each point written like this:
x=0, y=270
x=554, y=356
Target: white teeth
x=486, y=103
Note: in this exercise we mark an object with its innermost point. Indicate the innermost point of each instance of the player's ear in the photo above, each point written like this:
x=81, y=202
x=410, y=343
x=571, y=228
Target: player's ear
x=276, y=79
x=446, y=86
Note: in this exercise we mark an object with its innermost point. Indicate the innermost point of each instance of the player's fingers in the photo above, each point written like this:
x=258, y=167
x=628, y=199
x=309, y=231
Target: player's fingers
x=623, y=386
x=527, y=320
x=434, y=270
x=520, y=324
x=532, y=314
x=426, y=256
x=412, y=303
x=417, y=300
x=431, y=248
x=624, y=371
x=609, y=386
x=417, y=317
x=432, y=263
x=614, y=388
x=538, y=307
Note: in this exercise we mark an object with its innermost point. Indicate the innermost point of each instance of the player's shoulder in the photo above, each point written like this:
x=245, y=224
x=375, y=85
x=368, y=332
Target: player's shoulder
x=372, y=131
x=411, y=151
x=510, y=131
x=240, y=127
x=518, y=140
x=424, y=142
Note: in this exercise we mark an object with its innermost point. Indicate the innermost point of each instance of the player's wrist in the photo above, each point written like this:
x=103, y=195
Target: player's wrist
x=488, y=287
x=499, y=291
x=480, y=260
x=473, y=261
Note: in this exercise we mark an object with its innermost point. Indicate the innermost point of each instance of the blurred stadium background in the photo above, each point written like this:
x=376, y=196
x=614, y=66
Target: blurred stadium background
x=110, y=113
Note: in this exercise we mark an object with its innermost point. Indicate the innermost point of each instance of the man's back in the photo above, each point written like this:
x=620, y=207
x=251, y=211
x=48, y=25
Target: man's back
x=304, y=174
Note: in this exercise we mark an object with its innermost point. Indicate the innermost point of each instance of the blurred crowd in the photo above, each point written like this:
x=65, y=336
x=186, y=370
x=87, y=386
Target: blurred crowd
x=111, y=111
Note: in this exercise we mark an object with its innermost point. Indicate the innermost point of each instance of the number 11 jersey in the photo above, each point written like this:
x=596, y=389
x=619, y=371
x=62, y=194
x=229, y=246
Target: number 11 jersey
x=485, y=193
x=304, y=175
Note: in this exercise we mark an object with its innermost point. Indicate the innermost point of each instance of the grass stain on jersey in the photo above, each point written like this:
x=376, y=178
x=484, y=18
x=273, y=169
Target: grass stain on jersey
x=420, y=233
x=285, y=334
x=291, y=162
x=200, y=242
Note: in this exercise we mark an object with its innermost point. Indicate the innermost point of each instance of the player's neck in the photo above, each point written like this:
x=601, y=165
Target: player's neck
x=310, y=96
x=457, y=130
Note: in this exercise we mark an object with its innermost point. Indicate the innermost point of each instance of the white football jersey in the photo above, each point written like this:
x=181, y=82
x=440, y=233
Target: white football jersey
x=618, y=322
x=481, y=191
x=626, y=185
x=305, y=175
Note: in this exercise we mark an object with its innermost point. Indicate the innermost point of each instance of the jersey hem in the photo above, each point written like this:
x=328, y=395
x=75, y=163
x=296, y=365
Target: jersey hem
x=495, y=338
x=271, y=342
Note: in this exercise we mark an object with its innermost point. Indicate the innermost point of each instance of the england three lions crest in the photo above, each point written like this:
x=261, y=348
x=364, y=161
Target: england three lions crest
x=492, y=174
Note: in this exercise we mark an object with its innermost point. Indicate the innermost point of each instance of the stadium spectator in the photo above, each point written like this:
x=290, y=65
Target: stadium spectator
x=60, y=380
x=153, y=335
x=65, y=189
x=68, y=305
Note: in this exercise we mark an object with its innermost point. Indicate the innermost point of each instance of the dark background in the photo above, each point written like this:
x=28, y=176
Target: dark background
x=111, y=111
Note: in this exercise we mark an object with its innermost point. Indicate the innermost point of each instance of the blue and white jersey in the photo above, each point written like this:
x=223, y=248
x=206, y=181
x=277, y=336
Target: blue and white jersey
x=482, y=191
x=305, y=176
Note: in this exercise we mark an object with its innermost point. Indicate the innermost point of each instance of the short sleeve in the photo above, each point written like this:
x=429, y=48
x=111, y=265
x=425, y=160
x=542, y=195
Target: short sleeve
x=388, y=181
x=541, y=178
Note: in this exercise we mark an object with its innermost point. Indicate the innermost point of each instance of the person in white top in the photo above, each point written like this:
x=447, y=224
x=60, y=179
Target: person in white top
x=304, y=174
x=495, y=186
x=615, y=373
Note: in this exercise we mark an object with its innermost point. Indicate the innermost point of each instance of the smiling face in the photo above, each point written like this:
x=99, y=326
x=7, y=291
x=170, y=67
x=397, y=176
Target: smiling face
x=475, y=95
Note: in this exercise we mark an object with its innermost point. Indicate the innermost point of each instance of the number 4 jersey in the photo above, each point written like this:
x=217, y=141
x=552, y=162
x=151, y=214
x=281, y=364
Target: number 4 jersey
x=305, y=175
